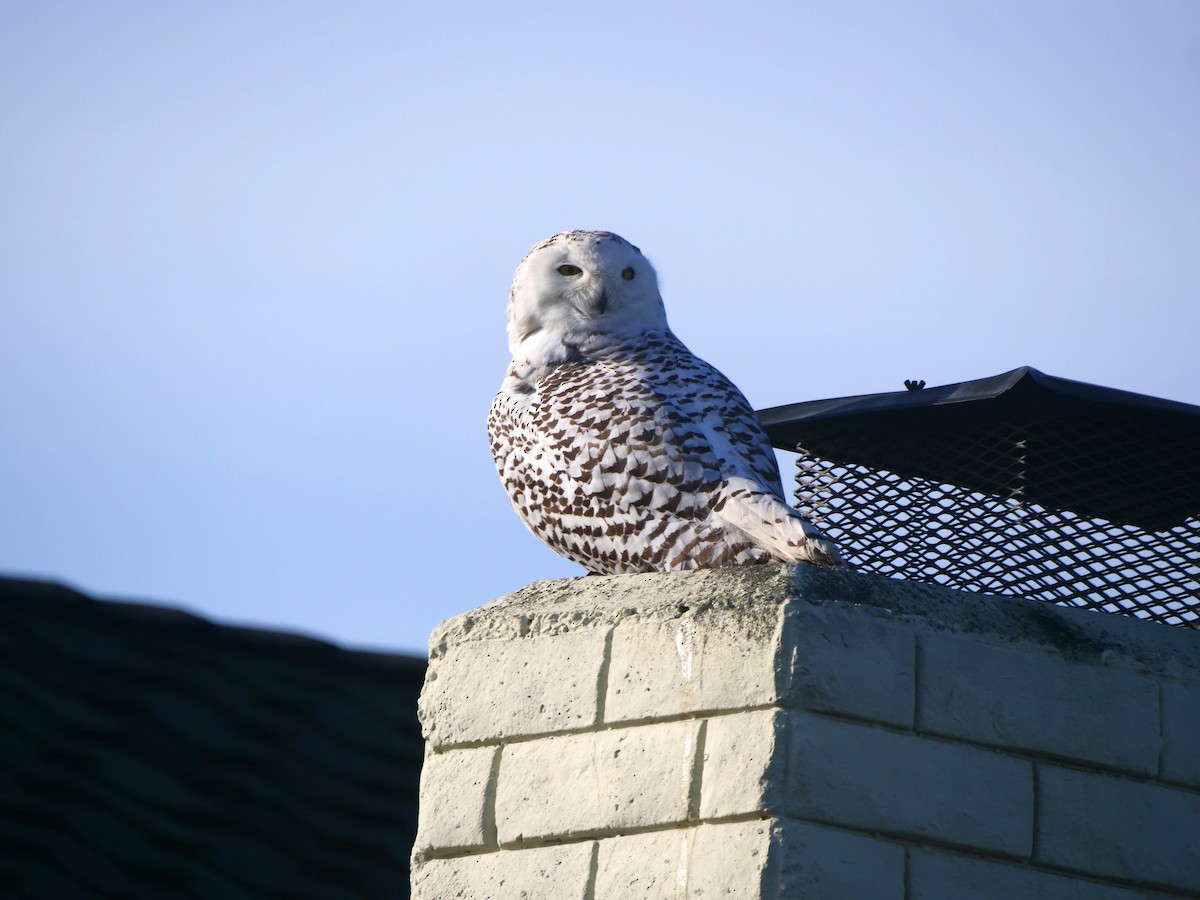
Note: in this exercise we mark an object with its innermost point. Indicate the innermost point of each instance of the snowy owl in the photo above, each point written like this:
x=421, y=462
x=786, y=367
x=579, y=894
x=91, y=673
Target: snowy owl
x=617, y=446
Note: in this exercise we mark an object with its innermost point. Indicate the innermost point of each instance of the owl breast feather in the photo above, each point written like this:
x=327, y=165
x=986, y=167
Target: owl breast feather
x=619, y=460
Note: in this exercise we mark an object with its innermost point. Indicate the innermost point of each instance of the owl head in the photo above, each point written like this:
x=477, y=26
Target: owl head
x=578, y=286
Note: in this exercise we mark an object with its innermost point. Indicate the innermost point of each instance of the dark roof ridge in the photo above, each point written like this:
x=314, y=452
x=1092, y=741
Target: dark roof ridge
x=35, y=594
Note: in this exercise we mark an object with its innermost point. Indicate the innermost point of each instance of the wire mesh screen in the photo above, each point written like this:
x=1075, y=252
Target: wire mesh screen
x=1002, y=542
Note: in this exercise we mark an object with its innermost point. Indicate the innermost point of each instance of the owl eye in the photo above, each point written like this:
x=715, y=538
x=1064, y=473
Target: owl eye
x=627, y=274
x=570, y=271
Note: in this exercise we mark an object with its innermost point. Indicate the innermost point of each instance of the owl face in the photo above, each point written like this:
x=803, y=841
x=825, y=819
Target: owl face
x=578, y=285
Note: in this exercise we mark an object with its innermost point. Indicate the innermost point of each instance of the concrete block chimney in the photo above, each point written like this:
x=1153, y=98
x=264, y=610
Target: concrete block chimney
x=788, y=731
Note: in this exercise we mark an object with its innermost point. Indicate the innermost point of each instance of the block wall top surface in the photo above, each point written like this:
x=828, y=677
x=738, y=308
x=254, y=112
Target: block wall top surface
x=747, y=597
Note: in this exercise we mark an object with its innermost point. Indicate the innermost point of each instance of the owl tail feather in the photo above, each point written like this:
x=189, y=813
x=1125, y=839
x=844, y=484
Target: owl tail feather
x=775, y=526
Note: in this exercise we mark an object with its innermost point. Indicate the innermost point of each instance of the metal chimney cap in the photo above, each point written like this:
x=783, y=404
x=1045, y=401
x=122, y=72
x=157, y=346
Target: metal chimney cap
x=1022, y=435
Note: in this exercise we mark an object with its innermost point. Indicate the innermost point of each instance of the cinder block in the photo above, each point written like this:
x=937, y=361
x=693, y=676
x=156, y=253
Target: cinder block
x=1181, y=734
x=716, y=659
x=850, y=662
x=706, y=660
x=456, y=800
x=650, y=866
x=882, y=781
x=745, y=759
x=496, y=689
x=938, y=876
x=735, y=860
x=545, y=873
x=596, y=783
x=765, y=859
x=860, y=776
x=1032, y=700
x=825, y=864
x=1108, y=826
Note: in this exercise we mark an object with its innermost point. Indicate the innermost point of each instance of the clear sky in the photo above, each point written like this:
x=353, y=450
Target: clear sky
x=254, y=257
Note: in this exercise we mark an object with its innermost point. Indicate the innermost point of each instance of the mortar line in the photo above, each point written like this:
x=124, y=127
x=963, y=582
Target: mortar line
x=691, y=716
x=693, y=805
x=918, y=675
x=1035, y=817
x=589, y=890
x=490, y=831
x=595, y=834
x=602, y=678
x=1162, y=729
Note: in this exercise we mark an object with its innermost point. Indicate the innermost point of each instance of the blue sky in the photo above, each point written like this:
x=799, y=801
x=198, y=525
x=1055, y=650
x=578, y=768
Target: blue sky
x=254, y=258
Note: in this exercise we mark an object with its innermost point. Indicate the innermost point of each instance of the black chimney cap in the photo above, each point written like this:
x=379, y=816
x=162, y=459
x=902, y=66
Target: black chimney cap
x=1025, y=435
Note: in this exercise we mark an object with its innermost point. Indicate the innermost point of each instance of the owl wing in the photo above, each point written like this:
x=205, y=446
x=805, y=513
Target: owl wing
x=707, y=416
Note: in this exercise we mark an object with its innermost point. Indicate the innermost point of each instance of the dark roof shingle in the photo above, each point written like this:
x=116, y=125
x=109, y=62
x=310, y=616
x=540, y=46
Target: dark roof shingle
x=147, y=752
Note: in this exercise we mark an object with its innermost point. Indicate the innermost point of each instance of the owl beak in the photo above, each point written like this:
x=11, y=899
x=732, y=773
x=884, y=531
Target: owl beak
x=595, y=305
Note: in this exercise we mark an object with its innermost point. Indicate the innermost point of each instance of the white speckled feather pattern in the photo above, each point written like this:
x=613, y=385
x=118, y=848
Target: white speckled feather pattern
x=617, y=446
